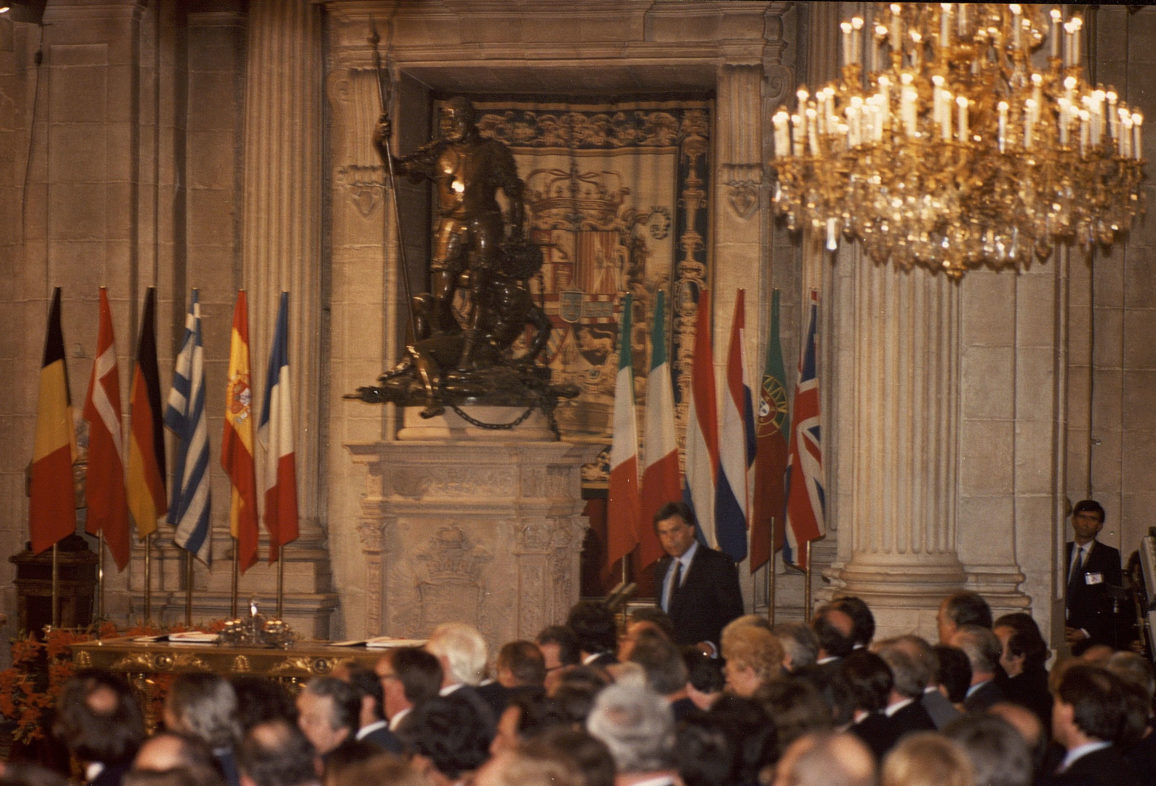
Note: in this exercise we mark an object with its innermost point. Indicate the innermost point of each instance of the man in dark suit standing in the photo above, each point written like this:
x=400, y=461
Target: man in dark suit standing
x=1086, y=720
x=1093, y=572
x=698, y=586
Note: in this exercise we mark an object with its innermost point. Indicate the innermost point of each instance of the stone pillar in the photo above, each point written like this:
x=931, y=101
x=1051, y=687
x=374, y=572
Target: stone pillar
x=281, y=250
x=485, y=532
x=897, y=544
x=281, y=230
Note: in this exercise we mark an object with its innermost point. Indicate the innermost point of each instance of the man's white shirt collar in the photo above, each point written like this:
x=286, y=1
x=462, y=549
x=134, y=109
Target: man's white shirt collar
x=395, y=721
x=1080, y=752
x=371, y=728
x=896, y=707
x=687, y=556
x=976, y=687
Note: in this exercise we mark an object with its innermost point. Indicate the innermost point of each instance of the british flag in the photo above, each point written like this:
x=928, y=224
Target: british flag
x=805, y=498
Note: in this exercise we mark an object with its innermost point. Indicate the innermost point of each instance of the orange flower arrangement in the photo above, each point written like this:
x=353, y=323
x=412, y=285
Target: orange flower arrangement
x=31, y=685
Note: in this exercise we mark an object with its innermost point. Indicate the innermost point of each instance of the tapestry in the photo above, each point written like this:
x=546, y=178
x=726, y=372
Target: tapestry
x=616, y=198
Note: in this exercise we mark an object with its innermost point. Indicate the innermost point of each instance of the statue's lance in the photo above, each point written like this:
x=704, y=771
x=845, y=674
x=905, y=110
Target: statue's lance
x=383, y=95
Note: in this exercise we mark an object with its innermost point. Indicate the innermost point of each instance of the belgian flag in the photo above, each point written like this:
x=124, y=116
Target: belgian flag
x=52, y=508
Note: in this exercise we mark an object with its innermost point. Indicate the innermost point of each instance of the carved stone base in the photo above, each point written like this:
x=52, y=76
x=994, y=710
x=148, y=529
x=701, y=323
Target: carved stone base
x=487, y=533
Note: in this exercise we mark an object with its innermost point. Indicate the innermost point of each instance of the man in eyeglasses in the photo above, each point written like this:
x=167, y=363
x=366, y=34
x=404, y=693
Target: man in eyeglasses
x=1093, y=575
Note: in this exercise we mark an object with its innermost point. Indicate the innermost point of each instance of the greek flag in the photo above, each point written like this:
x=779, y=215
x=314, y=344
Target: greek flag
x=185, y=416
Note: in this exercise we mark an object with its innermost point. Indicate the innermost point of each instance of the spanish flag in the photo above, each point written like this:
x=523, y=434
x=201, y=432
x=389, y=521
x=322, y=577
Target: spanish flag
x=52, y=508
x=147, y=498
x=237, y=443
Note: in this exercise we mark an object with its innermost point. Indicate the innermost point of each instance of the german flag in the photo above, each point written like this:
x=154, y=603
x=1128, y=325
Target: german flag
x=147, y=498
x=52, y=508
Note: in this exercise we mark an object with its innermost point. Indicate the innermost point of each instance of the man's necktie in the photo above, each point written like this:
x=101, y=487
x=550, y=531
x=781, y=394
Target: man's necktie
x=674, y=584
x=1074, y=570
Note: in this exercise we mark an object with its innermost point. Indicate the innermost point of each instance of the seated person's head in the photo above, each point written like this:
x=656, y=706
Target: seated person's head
x=449, y=734
x=99, y=719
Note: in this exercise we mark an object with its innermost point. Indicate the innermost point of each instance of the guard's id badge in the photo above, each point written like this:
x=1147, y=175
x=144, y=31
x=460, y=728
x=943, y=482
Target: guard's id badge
x=1093, y=578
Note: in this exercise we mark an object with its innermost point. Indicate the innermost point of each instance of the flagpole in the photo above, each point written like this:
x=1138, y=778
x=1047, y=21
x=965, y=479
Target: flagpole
x=236, y=575
x=148, y=582
x=55, y=615
x=100, y=576
x=807, y=586
x=280, y=582
x=188, y=589
x=770, y=579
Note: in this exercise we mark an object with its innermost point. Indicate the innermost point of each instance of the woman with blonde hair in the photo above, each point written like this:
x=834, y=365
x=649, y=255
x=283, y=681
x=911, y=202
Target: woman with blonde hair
x=754, y=657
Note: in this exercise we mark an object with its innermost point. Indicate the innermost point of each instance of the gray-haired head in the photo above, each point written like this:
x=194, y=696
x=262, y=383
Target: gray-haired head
x=637, y=725
x=461, y=649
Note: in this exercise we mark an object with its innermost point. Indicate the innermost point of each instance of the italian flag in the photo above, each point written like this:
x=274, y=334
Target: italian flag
x=624, y=503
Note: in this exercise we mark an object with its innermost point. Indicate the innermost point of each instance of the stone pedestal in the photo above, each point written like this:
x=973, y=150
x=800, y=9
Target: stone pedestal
x=486, y=531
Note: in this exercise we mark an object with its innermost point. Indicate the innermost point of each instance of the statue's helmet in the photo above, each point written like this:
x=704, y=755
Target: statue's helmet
x=461, y=108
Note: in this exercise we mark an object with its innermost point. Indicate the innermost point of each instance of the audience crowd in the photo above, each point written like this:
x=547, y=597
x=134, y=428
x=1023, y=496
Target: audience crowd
x=603, y=701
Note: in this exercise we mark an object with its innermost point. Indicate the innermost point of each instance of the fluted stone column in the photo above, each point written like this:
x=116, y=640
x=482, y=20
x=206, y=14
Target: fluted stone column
x=281, y=245
x=282, y=209
x=897, y=540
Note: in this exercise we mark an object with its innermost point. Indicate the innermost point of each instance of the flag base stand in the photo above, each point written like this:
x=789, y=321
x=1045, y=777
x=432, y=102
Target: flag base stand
x=309, y=602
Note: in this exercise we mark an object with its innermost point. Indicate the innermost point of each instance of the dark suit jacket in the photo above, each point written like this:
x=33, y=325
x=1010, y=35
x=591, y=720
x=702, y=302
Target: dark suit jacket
x=940, y=708
x=988, y=694
x=911, y=718
x=708, y=599
x=1030, y=690
x=877, y=732
x=385, y=739
x=496, y=695
x=1105, y=767
x=1089, y=605
x=227, y=758
x=111, y=775
x=1142, y=757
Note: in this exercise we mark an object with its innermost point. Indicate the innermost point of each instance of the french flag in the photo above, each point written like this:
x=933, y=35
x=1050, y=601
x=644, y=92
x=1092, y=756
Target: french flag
x=736, y=445
x=702, y=457
x=275, y=432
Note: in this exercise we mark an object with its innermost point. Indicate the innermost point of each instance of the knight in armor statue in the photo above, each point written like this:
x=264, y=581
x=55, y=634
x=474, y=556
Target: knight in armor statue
x=471, y=233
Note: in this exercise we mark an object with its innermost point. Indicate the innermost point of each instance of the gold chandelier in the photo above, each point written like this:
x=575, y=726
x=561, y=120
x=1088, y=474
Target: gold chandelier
x=949, y=149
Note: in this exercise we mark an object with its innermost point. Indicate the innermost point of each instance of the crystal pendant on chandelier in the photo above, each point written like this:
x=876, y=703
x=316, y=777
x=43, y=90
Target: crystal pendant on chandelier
x=948, y=149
